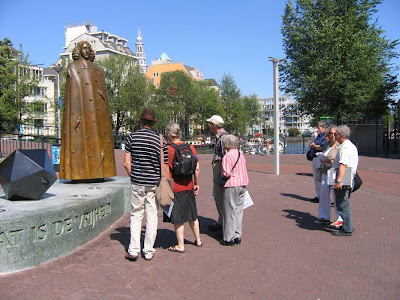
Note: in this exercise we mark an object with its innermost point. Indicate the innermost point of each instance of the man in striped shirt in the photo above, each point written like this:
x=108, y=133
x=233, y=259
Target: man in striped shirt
x=142, y=163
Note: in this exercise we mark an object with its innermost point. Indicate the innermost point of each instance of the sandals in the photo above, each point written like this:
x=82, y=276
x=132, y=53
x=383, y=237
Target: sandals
x=195, y=243
x=173, y=249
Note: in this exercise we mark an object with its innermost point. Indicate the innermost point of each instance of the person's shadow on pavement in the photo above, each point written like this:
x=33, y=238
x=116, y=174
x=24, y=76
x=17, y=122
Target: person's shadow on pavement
x=305, y=220
x=165, y=237
x=296, y=197
x=204, y=223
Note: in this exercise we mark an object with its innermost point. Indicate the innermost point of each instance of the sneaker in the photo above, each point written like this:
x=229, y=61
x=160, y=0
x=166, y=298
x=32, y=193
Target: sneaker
x=131, y=257
x=148, y=257
x=336, y=224
x=322, y=221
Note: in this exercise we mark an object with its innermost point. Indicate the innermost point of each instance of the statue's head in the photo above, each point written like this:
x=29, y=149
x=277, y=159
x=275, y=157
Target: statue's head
x=83, y=49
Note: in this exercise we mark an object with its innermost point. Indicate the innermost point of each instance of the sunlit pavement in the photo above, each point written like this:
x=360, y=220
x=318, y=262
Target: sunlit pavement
x=283, y=254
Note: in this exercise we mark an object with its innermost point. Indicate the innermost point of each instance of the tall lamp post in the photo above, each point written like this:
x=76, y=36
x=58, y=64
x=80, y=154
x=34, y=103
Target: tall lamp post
x=58, y=69
x=275, y=63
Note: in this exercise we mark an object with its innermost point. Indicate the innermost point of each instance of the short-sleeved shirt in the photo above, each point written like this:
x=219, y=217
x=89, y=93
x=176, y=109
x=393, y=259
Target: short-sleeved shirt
x=218, y=150
x=347, y=155
x=144, y=147
x=320, y=139
x=181, y=183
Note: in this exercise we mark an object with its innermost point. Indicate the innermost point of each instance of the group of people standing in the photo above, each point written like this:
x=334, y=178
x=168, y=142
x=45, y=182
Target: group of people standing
x=143, y=164
x=334, y=151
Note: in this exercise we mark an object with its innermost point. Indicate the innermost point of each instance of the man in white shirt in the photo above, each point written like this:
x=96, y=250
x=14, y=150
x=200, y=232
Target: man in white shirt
x=347, y=157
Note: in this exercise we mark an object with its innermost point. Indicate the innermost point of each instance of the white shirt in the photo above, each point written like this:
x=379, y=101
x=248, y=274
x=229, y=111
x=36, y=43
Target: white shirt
x=348, y=156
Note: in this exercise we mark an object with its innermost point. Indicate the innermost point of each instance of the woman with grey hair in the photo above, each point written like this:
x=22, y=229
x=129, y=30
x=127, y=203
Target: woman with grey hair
x=233, y=167
x=185, y=190
x=317, y=145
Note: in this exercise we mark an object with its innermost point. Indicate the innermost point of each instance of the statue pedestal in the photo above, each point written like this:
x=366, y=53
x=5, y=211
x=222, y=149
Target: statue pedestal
x=68, y=216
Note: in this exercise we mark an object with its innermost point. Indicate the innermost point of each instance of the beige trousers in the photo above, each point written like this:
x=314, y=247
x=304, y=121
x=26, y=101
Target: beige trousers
x=143, y=200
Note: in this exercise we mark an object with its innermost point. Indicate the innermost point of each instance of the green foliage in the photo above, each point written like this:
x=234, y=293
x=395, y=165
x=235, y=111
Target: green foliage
x=176, y=100
x=127, y=88
x=8, y=113
x=16, y=82
x=294, y=132
x=208, y=104
x=337, y=61
x=190, y=103
x=239, y=112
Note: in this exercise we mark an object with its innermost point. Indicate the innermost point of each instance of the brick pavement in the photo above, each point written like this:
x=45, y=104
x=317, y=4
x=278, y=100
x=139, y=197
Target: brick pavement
x=283, y=254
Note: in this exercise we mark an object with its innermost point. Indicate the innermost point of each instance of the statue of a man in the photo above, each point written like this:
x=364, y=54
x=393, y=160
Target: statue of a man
x=87, y=147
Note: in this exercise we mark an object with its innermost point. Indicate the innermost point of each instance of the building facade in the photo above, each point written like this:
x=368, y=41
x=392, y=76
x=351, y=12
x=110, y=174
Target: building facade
x=103, y=43
x=164, y=64
x=289, y=117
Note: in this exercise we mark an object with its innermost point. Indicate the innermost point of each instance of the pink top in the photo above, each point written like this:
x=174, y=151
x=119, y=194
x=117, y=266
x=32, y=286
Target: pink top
x=239, y=176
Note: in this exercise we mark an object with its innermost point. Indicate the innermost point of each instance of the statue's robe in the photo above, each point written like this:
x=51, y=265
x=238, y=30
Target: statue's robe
x=87, y=147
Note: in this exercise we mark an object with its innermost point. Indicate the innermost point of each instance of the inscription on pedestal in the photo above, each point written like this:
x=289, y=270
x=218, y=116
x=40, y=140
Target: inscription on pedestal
x=39, y=233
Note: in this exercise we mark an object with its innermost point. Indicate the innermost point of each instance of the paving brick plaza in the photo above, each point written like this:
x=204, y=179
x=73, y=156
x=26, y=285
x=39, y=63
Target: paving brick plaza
x=283, y=254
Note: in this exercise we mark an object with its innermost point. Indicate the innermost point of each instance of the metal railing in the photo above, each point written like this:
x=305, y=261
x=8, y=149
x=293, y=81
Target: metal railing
x=11, y=142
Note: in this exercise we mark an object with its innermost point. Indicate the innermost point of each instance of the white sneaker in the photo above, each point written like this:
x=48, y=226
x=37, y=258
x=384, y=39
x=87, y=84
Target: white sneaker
x=336, y=224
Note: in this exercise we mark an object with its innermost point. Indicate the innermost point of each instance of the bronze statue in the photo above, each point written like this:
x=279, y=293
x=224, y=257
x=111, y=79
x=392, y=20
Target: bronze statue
x=87, y=147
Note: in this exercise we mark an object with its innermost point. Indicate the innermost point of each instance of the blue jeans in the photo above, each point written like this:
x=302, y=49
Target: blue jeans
x=343, y=206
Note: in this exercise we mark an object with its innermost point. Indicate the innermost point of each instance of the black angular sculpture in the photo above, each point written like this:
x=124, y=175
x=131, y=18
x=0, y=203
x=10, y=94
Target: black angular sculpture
x=27, y=174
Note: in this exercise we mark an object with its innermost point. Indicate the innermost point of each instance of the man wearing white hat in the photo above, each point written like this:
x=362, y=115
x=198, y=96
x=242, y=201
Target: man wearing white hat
x=216, y=124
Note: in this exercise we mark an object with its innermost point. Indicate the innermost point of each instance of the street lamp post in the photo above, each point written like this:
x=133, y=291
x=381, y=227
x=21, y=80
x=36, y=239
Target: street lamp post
x=58, y=69
x=275, y=62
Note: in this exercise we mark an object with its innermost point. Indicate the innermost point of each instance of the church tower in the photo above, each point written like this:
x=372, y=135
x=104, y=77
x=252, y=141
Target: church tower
x=141, y=57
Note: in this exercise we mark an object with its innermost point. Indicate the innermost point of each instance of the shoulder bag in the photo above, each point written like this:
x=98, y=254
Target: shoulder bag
x=221, y=179
x=311, y=154
x=165, y=190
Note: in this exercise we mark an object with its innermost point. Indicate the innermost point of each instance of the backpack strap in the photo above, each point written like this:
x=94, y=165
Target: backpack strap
x=162, y=156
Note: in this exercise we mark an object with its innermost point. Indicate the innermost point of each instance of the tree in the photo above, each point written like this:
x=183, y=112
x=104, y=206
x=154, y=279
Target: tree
x=208, y=104
x=7, y=80
x=230, y=97
x=239, y=112
x=17, y=80
x=294, y=132
x=176, y=99
x=337, y=60
x=127, y=90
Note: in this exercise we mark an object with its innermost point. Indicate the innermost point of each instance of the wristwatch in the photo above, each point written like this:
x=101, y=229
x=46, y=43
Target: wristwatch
x=338, y=180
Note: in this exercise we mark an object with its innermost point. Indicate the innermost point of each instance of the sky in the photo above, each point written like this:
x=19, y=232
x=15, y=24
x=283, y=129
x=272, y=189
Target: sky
x=217, y=37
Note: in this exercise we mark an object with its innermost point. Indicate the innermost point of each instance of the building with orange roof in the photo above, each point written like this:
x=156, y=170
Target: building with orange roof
x=164, y=64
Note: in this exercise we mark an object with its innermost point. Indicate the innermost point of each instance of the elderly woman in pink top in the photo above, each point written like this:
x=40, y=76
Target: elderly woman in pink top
x=234, y=167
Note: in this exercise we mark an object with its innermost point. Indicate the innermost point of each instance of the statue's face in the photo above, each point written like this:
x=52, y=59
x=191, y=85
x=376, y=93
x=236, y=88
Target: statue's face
x=85, y=51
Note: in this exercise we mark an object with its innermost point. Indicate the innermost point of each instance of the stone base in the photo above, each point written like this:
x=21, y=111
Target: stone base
x=68, y=216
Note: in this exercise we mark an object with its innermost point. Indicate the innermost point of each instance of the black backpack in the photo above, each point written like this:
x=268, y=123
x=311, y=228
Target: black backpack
x=184, y=163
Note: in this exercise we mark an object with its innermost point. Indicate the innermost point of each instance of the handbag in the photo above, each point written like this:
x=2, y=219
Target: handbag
x=311, y=154
x=222, y=179
x=165, y=190
x=319, y=174
x=357, y=182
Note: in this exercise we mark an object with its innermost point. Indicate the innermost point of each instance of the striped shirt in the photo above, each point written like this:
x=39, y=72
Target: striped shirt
x=239, y=176
x=144, y=147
